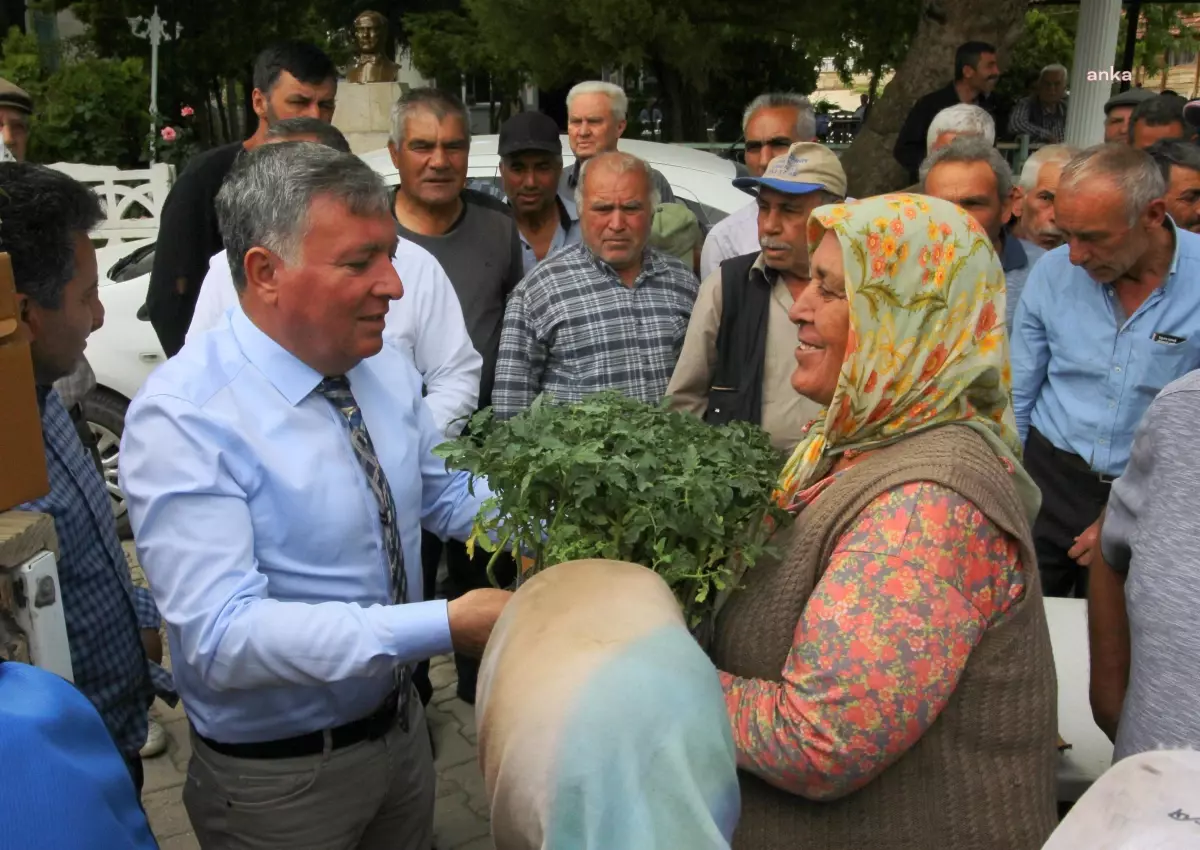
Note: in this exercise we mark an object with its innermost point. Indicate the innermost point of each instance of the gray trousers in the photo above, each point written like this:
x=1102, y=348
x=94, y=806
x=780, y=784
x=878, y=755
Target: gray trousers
x=373, y=795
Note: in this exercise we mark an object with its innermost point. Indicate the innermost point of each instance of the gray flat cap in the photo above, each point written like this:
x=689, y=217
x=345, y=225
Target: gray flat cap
x=1128, y=98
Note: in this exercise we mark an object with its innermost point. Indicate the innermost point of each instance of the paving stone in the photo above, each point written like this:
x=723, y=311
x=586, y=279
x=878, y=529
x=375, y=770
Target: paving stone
x=454, y=824
x=484, y=843
x=438, y=716
x=440, y=661
x=446, y=787
x=161, y=773
x=165, y=811
x=444, y=675
x=464, y=713
x=453, y=750
x=179, y=747
x=444, y=695
x=469, y=777
x=187, y=841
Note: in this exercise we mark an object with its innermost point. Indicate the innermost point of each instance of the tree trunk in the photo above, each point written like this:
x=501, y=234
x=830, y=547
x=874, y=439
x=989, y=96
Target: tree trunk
x=684, y=113
x=945, y=24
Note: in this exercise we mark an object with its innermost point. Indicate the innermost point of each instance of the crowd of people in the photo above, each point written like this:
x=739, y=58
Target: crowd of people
x=979, y=387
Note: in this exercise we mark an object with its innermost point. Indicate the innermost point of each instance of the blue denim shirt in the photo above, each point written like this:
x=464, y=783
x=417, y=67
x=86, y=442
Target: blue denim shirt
x=1082, y=376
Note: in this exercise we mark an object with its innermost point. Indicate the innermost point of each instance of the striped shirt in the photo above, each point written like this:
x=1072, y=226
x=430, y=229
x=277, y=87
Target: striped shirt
x=572, y=328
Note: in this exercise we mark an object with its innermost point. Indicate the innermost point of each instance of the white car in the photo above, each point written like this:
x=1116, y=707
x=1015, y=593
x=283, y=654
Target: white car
x=126, y=350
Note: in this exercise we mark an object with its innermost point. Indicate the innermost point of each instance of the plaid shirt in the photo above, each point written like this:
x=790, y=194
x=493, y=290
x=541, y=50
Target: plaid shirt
x=572, y=328
x=103, y=609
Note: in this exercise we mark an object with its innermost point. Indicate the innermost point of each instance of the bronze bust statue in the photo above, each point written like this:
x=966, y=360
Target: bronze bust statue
x=371, y=65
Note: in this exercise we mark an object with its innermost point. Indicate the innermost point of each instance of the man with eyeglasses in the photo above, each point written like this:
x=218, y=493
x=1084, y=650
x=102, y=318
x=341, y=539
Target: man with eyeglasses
x=771, y=124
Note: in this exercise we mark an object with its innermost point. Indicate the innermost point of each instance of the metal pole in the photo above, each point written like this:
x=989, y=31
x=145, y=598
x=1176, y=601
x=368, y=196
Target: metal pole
x=1133, y=15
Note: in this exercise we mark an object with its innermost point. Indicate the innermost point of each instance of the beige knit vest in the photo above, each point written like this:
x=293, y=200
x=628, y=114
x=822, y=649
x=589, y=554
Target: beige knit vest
x=982, y=777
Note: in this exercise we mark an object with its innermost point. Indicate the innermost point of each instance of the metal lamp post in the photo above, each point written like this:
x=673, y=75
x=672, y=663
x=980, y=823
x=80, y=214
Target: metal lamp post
x=155, y=29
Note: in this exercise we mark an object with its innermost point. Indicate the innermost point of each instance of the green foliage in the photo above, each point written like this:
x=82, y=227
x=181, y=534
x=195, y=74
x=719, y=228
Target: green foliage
x=1049, y=37
x=615, y=478
x=91, y=110
x=1163, y=31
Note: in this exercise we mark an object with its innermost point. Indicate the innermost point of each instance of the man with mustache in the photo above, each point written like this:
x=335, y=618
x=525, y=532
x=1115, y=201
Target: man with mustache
x=531, y=167
x=739, y=352
x=976, y=72
x=475, y=239
x=1106, y=321
x=1180, y=164
x=1034, y=205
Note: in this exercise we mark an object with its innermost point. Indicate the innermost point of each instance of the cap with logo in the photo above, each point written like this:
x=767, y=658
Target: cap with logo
x=1132, y=97
x=806, y=167
x=529, y=131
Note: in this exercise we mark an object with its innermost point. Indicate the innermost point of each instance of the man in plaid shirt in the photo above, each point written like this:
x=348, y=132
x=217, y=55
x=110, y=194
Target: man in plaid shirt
x=607, y=314
x=112, y=626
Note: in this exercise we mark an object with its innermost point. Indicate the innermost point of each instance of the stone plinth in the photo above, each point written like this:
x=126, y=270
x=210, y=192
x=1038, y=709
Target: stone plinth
x=364, y=113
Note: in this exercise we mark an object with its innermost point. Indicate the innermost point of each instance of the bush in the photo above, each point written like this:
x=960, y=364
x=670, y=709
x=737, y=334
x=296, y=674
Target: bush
x=91, y=110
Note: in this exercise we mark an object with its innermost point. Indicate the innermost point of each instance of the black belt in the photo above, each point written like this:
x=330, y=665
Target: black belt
x=1069, y=458
x=370, y=728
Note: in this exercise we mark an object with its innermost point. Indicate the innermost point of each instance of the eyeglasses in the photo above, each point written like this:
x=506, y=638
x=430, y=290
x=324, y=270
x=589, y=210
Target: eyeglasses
x=756, y=145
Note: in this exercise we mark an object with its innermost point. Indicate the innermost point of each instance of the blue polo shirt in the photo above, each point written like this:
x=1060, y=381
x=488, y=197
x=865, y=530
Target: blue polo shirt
x=1084, y=374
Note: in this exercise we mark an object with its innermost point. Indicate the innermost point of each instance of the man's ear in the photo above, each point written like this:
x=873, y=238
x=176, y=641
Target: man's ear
x=26, y=321
x=1018, y=202
x=262, y=270
x=620, y=129
x=258, y=100
x=1008, y=206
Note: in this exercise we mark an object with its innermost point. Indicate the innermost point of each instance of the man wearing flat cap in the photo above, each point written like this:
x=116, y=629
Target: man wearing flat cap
x=15, y=108
x=531, y=166
x=1117, y=111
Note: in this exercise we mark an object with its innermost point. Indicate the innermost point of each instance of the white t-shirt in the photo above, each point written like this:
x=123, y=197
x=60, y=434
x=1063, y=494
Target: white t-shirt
x=426, y=324
x=733, y=236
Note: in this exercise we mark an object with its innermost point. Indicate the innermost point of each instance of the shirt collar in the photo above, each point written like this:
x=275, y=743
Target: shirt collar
x=652, y=264
x=1170, y=222
x=1012, y=253
x=567, y=217
x=287, y=373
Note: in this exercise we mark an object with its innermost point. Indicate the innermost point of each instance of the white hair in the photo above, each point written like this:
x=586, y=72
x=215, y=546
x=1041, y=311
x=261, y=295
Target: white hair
x=1054, y=68
x=1134, y=172
x=1058, y=154
x=970, y=149
x=806, y=118
x=620, y=163
x=617, y=98
x=965, y=119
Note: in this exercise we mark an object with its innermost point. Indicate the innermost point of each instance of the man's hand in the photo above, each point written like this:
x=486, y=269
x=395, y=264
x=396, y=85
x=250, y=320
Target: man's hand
x=1087, y=545
x=472, y=617
x=152, y=644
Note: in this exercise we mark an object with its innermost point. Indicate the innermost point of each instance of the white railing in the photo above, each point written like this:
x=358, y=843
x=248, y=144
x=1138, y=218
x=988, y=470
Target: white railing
x=132, y=200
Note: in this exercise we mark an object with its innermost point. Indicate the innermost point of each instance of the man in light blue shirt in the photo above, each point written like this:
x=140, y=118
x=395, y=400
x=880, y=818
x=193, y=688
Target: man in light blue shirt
x=279, y=472
x=1105, y=322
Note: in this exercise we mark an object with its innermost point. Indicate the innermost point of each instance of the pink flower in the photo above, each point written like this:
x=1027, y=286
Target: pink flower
x=169, y=134
x=187, y=112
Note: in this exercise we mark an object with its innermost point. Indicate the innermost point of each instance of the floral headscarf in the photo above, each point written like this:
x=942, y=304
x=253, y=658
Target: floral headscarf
x=927, y=344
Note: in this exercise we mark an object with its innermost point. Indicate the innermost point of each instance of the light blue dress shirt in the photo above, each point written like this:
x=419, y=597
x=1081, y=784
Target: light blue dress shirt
x=1017, y=258
x=261, y=539
x=1081, y=376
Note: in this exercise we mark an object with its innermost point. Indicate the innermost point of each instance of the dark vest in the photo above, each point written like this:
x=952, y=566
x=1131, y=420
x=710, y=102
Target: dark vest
x=736, y=394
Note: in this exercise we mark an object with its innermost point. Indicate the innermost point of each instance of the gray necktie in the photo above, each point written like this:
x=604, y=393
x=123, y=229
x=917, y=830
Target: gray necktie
x=337, y=390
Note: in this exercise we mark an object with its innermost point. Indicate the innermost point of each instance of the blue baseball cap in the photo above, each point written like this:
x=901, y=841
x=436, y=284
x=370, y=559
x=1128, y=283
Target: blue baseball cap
x=806, y=167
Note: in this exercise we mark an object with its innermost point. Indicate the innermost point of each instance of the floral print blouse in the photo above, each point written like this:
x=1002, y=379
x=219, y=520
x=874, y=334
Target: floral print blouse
x=909, y=591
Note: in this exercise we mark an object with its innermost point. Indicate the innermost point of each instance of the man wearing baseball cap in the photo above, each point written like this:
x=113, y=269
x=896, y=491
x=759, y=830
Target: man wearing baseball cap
x=531, y=166
x=739, y=352
x=1117, y=111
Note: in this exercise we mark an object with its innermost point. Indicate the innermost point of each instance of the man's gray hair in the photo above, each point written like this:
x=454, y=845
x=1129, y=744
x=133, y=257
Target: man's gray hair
x=806, y=118
x=325, y=134
x=266, y=198
x=1133, y=171
x=620, y=163
x=1058, y=154
x=966, y=119
x=441, y=103
x=972, y=149
x=617, y=99
x=1054, y=68
x=1175, y=152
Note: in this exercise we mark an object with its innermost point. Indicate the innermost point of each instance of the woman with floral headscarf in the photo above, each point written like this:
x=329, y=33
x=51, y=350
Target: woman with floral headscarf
x=889, y=678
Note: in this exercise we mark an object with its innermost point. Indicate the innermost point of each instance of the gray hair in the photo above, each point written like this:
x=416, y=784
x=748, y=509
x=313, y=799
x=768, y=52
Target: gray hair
x=1054, y=68
x=617, y=99
x=1134, y=172
x=966, y=119
x=325, y=134
x=1060, y=154
x=806, y=119
x=1175, y=152
x=972, y=149
x=441, y=103
x=620, y=163
x=265, y=201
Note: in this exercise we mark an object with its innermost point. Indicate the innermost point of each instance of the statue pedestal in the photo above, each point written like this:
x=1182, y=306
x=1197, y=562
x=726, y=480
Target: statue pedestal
x=364, y=113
